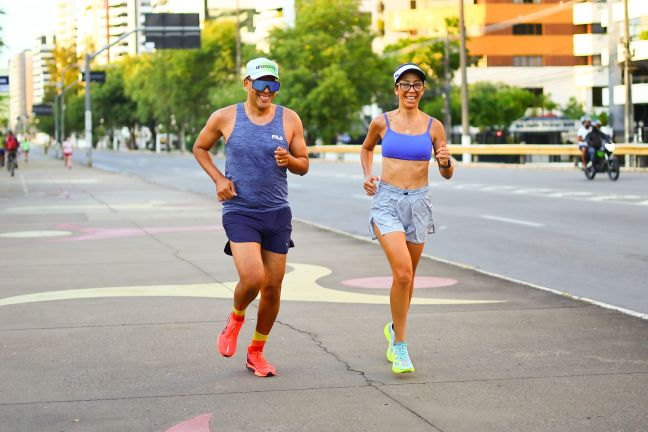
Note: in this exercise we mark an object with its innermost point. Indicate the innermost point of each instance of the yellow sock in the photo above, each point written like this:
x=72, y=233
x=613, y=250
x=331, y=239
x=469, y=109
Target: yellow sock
x=238, y=313
x=258, y=340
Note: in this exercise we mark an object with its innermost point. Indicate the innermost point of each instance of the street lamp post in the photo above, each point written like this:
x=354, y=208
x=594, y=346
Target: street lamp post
x=627, y=77
x=465, y=123
x=60, y=85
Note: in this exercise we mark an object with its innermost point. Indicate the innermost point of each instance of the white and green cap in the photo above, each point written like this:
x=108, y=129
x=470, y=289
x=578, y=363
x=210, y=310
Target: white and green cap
x=261, y=66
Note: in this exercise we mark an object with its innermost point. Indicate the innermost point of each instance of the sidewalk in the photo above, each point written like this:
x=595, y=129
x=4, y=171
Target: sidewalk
x=114, y=291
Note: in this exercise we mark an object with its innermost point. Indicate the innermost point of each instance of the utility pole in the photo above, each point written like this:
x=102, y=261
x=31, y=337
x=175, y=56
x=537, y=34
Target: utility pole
x=465, y=124
x=447, y=115
x=627, y=77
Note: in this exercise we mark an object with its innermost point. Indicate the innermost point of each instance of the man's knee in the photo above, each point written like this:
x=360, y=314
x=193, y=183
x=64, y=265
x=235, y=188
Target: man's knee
x=271, y=292
x=253, y=280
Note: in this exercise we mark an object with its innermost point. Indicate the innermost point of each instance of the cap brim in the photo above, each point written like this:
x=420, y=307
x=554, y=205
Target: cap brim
x=409, y=68
x=258, y=75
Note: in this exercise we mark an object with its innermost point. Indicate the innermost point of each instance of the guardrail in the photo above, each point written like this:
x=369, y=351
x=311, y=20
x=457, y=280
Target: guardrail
x=499, y=149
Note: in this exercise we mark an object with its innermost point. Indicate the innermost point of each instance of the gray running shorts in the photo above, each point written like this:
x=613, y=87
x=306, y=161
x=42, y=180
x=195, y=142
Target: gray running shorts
x=405, y=210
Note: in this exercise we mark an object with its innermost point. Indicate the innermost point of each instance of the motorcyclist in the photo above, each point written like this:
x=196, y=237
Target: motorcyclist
x=594, y=141
x=585, y=129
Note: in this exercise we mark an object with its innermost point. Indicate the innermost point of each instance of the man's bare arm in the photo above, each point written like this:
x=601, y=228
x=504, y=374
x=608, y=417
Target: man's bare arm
x=207, y=137
x=297, y=160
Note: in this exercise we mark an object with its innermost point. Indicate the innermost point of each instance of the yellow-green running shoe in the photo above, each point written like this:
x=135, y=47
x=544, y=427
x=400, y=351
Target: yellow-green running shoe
x=389, y=334
x=402, y=362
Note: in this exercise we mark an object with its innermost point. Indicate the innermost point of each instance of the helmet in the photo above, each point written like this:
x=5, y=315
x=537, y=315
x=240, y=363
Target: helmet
x=596, y=123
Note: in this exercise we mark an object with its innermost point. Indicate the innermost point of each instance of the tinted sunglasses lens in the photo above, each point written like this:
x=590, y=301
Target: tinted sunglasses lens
x=260, y=85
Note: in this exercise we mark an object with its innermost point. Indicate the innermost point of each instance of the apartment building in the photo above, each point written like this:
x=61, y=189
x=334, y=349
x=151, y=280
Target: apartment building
x=101, y=22
x=42, y=56
x=66, y=25
x=20, y=90
x=527, y=43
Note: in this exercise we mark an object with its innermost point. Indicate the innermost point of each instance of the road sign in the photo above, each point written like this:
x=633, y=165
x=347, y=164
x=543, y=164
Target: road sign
x=4, y=84
x=95, y=76
x=42, y=109
x=172, y=31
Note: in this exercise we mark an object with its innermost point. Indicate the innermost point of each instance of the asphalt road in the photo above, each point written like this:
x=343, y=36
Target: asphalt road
x=115, y=288
x=543, y=226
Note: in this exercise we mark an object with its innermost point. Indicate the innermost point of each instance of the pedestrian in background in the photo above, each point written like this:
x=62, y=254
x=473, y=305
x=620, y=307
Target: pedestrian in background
x=262, y=142
x=67, y=153
x=25, y=146
x=401, y=212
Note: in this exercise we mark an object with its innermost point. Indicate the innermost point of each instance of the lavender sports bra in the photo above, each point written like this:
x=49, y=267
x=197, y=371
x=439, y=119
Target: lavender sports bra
x=408, y=147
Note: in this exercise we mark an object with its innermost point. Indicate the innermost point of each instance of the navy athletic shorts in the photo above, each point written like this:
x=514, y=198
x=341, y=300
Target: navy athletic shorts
x=271, y=229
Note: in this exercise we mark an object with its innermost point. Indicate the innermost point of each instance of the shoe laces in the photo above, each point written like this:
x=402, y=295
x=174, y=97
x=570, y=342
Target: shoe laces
x=401, y=352
x=231, y=325
x=257, y=356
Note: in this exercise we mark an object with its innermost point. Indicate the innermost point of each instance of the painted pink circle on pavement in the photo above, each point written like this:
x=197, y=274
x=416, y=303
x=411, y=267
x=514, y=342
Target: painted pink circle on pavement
x=196, y=424
x=386, y=281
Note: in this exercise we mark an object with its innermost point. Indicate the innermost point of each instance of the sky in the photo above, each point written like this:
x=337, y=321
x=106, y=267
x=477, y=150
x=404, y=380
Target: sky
x=23, y=22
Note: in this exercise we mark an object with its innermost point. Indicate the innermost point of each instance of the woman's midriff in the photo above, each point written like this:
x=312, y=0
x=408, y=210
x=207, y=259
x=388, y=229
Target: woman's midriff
x=405, y=174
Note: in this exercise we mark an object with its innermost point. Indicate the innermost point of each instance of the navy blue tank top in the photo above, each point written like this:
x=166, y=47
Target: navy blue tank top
x=408, y=147
x=260, y=184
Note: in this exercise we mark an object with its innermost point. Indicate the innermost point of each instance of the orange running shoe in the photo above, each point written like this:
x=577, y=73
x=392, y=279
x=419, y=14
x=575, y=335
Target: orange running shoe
x=258, y=364
x=227, y=338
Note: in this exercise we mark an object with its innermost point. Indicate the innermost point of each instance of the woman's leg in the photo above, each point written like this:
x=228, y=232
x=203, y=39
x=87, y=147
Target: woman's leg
x=400, y=261
x=415, y=251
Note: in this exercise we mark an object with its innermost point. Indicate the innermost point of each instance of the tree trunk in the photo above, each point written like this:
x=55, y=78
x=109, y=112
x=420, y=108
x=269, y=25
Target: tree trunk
x=182, y=137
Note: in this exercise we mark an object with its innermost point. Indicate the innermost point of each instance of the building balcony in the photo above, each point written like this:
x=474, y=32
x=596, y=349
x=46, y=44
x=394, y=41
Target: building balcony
x=638, y=50
x=589, y=44
x=432, y=20
x=590, y=76
x=636, y=9
x=589, y=13
x=639, y=94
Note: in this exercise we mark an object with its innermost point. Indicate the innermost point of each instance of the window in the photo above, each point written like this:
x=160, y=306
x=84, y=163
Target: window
x=597, y=96
x=412, y=4
x=527, y=29
x=526, y=1
x=597, y=28
x=596, y=60
x=527, y=60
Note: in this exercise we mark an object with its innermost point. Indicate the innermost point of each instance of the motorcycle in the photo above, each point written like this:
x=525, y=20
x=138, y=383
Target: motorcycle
x=604, y=161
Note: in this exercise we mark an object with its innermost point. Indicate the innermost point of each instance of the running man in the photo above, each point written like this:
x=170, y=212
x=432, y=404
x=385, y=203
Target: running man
x=262, y=141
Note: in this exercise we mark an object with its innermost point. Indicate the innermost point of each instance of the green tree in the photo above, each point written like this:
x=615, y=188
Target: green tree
x=573, y=109
x=328, y=70
x=111, y=106
x=180, y=88
x=497, y=105
x=2, y=44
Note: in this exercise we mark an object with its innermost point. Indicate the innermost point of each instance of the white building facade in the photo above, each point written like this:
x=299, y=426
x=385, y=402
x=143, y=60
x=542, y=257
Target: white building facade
x=42, y=57
x=20, y=90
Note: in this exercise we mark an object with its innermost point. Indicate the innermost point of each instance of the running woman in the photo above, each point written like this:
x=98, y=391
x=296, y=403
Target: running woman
x=401, y=213
x=262, y=142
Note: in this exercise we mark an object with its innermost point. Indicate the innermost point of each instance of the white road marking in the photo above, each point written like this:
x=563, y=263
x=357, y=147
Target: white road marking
x=513, y=221
x=614, y=197
x=570, y=194
x=34, y=234
x=22, y=182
